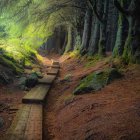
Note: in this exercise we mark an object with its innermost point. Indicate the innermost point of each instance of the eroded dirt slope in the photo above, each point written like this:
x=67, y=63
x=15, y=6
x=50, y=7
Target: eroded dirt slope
x=110, y=114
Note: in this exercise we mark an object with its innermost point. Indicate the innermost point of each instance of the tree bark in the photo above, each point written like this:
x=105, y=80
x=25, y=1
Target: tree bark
x=69, y=46
x=118, y=49
x=132, y=45
x=86, y=32
x=103, y=26
x=94, y=40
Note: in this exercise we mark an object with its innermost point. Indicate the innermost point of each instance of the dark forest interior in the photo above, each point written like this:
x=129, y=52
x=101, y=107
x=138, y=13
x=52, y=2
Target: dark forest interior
x=69, y=69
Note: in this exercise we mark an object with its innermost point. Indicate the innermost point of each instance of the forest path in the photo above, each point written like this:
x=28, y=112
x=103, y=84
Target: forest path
x=27, y=124
x=112, y=113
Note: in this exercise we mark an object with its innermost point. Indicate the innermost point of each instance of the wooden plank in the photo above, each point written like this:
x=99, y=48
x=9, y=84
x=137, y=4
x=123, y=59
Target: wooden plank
x=34, y=125
x=54, y=66
x=55, y=63
x=52, y=71
x=27, y=124
x=47, y=79
x=37, y=94
x=18, y=126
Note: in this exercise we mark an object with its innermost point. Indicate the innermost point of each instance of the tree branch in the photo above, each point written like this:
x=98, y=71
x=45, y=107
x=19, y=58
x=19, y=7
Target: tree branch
x=94, y=9
x=120, y=8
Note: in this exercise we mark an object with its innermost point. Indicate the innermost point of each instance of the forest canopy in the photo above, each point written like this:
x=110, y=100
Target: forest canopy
x=89, y=26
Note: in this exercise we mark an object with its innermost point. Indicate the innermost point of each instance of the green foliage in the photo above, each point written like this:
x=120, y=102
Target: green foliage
x=10, y=64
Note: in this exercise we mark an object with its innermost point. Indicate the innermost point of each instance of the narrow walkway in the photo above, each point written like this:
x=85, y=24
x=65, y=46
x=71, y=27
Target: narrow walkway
x=27, y=124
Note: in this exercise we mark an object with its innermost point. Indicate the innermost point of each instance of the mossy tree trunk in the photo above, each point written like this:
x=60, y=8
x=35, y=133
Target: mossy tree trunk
x=100, y=9
x=94, y=40
x=77, y=40
x=132, y=45
x=70, y=40
x=86, y=32
x=103, y=26
x=118, y=48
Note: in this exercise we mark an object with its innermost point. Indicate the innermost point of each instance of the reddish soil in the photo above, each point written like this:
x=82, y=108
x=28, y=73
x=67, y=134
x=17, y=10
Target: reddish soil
x=110, y=114
x=10, y=100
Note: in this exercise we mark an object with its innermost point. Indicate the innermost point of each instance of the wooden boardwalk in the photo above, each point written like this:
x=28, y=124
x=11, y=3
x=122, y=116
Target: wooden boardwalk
x=53, y=71
x=47, y=79
x=27, y=124
x=37, y=94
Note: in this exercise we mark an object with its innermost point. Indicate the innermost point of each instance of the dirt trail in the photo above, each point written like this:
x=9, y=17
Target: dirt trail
x=110, y=114
x=10, y=101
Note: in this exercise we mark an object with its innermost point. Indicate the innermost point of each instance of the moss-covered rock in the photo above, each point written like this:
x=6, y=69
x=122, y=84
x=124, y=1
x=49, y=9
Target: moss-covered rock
x=10, y=64
x=29, y=81
x=4, y=78
x=39, y=74
x=22, y=83
x=97, y=80
x=32, y=80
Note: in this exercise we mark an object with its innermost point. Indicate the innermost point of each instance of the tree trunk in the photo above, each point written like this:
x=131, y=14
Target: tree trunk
x=86, y=32
x=77, y=40
x=94, y=40
x=118, y=49
x=112, y=27
x=103, y=26
x=102, y=41
x=69, y=46
x=132, y=45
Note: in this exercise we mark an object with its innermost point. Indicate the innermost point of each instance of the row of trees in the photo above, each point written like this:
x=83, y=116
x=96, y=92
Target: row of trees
x=112, y=26
x=90, y=26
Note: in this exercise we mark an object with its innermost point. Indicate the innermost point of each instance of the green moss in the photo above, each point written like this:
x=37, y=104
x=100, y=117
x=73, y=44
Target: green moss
x=68, y=77
x=96, y=81
x=92, y=60
x=10, y=64
x=127, y=54
x=92, y=82
x=74, y=54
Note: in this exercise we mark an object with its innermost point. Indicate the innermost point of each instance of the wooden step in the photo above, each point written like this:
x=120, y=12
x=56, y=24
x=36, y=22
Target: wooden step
x=37, y=94
x=52, y=71
x=47, y=79
x=55, y=63
x=27, y=124
x=54, y=66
